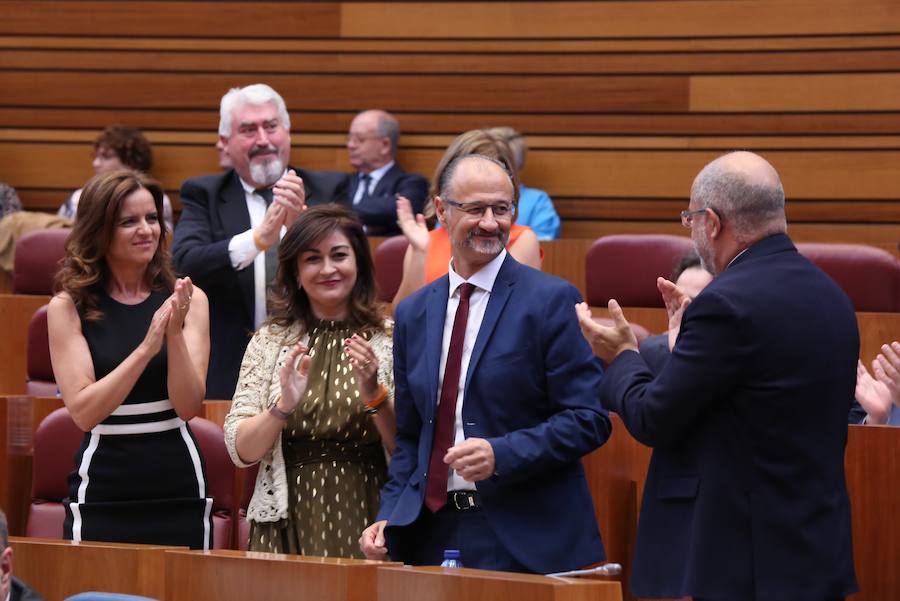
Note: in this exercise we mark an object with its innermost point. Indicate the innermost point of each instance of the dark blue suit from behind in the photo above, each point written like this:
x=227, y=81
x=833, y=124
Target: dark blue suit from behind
x=746, y=497
x=531, y=392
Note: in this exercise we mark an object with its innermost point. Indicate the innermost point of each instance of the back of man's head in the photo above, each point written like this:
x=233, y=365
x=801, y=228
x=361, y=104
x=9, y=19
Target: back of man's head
x=4, y=531
x=388, y=127
x=5, y=557
x=745, y=190
x=256, y=94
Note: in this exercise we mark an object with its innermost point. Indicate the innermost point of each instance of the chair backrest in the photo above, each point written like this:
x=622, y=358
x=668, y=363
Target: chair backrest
x=40, y=379
x=38, y=254
x=56, y=441
x=625, y=267
x=249, y=484
x=219, y=477
x=870, y=276
x=389, y=266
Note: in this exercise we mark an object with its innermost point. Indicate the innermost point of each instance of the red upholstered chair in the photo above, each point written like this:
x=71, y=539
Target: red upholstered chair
x=389, y=266
x=38, y=254
x=55, y=443
x=40, y=380
x=870, y=276
x=625, y=267
x=219, y=477
x=57, y=440
x=246, y=494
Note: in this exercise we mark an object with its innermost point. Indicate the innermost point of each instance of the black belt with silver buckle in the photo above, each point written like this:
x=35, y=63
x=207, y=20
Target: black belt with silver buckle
x=463, y=500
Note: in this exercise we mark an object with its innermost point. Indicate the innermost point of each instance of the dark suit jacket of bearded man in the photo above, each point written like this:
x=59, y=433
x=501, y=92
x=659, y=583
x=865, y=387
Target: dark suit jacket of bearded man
x=215, y=210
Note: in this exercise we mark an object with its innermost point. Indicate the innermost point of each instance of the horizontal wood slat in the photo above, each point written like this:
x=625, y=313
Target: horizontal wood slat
x=256, y=19
x=412, y=44
x=864, y=175
x=618, y=19
x=492, y=20
x=450, y=93
x=387, y=61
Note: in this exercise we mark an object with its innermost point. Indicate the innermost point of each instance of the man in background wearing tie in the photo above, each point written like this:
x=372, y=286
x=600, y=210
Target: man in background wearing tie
x=495, y=401
x=379, y=179
x=227, y=237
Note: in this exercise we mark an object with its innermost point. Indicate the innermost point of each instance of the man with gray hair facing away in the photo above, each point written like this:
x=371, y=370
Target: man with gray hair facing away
x=228, y=234
x=378, y=179
x=746, y=497
x=11, y=588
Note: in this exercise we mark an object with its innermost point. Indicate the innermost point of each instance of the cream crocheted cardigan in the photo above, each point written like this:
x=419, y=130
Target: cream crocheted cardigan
x=258, y=387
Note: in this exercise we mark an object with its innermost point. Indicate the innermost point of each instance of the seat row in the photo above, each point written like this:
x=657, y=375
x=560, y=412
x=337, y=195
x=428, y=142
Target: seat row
x=56, y=441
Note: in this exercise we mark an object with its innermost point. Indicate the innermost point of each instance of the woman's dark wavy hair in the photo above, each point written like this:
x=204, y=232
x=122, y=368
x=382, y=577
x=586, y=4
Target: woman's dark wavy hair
x=129, y=144
x=289, y=303
x=84, y=271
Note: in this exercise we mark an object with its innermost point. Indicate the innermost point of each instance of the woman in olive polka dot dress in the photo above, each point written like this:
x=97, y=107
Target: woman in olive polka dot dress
x=314, y=402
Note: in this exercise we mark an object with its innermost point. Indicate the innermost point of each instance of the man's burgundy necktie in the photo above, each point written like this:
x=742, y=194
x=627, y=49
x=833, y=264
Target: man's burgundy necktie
x=436, y=488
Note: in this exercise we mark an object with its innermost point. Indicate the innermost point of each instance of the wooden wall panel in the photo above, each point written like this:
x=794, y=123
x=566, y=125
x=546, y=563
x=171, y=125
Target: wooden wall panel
x=623, y=102
x=386, y=60
x=330, y=92
x=296, y=19
x=618, y=19
x=780, y=93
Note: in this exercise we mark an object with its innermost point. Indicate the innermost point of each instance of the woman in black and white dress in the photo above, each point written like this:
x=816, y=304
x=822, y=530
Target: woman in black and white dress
x=130, y=347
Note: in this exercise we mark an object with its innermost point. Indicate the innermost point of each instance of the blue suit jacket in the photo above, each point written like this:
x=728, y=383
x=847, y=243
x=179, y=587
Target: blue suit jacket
x=746, y=496
x=379, y=212
x=531, y=391
x=215, y=210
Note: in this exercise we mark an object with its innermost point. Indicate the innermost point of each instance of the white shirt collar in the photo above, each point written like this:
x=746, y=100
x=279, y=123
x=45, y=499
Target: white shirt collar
x=736, y=257
x=377, y=174
x=484, y=278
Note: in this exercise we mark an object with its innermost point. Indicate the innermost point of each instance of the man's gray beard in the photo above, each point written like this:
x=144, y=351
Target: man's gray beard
x=268, y=172
x=491, y=248
x=704, y=251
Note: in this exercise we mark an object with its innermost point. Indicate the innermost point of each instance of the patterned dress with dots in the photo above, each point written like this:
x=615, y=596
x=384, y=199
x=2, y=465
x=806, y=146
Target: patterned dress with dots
x=334, y=461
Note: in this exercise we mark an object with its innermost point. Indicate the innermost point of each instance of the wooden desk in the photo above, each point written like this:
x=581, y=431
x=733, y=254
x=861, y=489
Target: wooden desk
x=616, y=474
x=439, y=584
x=58, y=569
x=239, y=575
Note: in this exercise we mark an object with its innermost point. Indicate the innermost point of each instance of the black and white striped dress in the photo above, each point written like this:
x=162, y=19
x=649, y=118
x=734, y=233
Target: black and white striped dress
x=139, y=474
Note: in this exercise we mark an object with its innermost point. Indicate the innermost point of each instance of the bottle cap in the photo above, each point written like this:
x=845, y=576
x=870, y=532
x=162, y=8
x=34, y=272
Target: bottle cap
x=451, y=553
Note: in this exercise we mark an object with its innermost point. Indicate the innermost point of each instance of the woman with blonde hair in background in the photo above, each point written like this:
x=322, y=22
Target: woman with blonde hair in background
x=428, y=256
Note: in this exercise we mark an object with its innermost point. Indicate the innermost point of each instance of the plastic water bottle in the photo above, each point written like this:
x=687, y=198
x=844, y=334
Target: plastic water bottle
x=451, y=559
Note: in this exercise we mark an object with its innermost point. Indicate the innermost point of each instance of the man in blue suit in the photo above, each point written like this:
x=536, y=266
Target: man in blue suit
x=378, y=179
x=746, y=497
x=495, y=403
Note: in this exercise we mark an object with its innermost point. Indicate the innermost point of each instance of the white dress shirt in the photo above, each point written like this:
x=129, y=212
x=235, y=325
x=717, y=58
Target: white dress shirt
x=243, y=252
x=376, y=177
x=483, y=280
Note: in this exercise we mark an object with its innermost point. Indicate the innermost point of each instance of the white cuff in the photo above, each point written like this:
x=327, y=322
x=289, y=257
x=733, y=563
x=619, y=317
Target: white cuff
x=242, y=249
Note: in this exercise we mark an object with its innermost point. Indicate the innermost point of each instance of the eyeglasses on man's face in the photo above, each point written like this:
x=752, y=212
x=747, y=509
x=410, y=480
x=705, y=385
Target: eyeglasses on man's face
x=687, y=216
x=500, y=210
x=360, y=138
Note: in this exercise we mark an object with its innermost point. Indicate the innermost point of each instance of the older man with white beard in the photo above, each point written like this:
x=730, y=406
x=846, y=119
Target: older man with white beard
x=231, y=223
